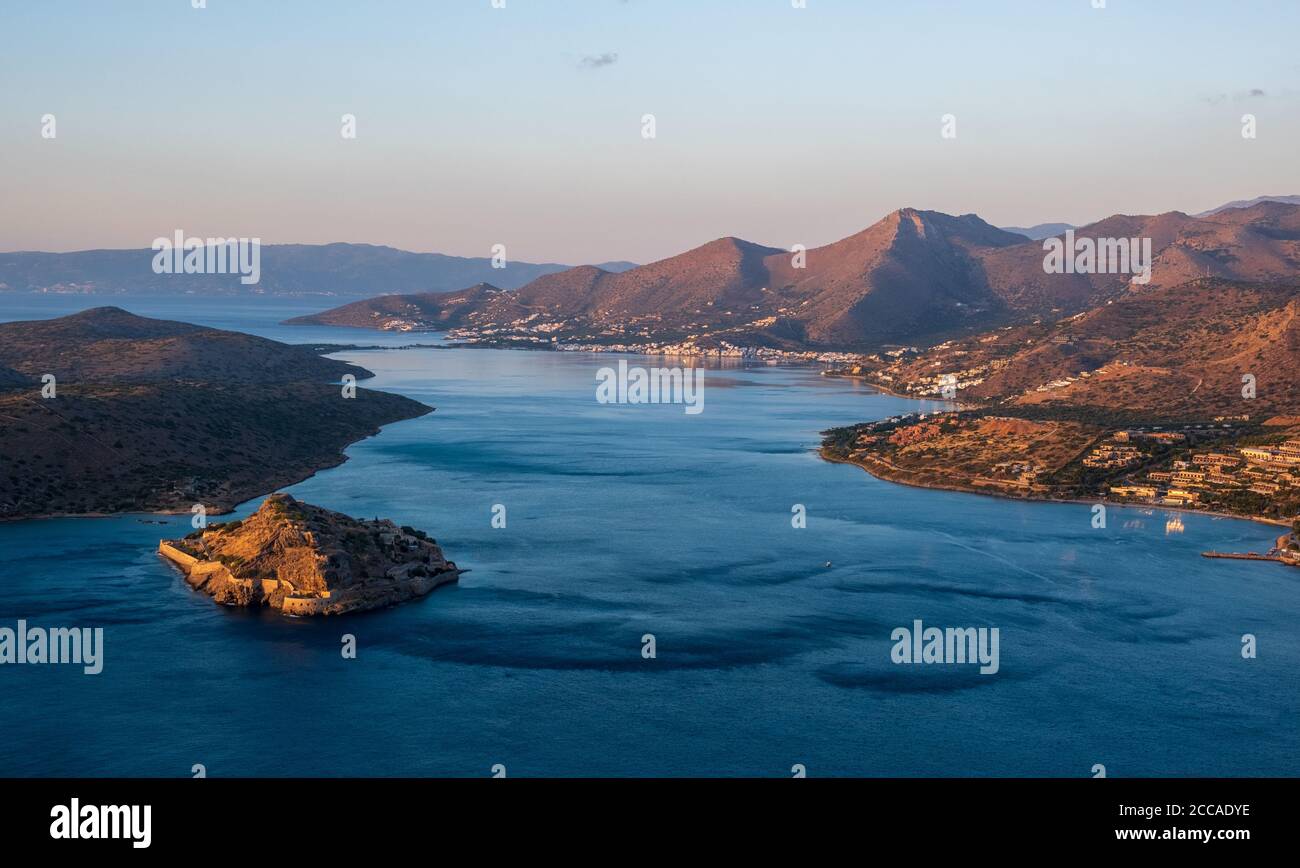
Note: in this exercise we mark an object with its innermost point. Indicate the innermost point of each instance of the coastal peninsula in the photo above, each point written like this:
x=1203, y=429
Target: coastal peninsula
x=106, y=412
x=1181, y=397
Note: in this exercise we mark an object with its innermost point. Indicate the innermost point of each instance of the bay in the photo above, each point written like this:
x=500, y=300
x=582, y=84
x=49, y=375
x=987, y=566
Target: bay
x=1119, y=646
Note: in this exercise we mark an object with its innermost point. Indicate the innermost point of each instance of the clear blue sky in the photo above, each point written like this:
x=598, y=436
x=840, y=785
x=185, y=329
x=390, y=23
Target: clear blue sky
x=479, y=125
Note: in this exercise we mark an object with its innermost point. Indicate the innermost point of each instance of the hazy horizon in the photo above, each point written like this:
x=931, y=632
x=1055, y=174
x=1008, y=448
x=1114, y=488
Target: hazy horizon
x=523, y=126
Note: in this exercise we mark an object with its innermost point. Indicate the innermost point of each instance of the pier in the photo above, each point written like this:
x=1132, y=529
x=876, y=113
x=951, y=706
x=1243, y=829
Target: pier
x=1280, y=553
x=1242, y=556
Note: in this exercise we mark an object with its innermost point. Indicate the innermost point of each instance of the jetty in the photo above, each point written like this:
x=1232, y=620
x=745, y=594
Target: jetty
x=1243, y=556
x=1280, y=553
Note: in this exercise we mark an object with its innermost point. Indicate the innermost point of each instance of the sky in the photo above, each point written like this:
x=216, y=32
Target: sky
x=522, y=125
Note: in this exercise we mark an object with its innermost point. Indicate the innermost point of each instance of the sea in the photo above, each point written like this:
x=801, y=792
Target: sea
x=660, y=594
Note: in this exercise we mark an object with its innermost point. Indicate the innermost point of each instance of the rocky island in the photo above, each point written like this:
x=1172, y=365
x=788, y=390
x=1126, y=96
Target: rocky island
x=305, y=560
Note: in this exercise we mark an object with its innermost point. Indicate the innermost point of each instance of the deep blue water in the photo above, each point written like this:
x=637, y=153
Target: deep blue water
x=1118, y=646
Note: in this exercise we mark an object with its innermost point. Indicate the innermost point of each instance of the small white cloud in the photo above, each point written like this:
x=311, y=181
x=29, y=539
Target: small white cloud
x=596, y=61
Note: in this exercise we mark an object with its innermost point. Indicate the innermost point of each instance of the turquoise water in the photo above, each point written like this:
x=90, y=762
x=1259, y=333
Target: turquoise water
x=1118, y=646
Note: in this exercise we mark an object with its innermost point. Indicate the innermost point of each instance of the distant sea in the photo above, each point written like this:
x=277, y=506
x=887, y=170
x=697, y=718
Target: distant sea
x=1118, y=646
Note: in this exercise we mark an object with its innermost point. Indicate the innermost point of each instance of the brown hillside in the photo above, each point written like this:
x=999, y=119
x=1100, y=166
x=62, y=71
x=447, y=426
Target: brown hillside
x=910, y=274
x=108, y=344
x=1178, y=351
x=155, y=415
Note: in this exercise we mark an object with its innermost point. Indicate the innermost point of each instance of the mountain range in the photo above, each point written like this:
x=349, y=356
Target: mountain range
x=1047, y=230
x=1246, y=203
x=350, y=270
x=912, y=276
